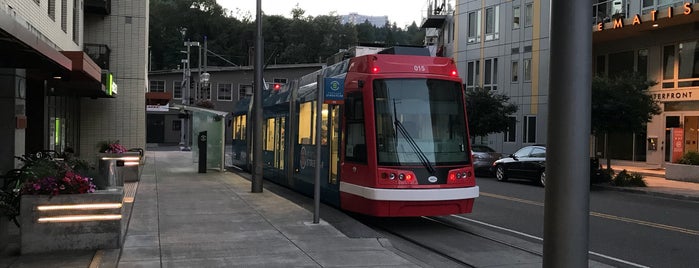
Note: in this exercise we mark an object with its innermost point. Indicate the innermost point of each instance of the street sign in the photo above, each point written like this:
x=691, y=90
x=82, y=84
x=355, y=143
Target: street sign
x=334, y=91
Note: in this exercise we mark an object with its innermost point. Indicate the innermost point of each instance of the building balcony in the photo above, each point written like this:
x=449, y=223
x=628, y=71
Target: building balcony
x=437, y=11
x=101, y=7
x=99, y=53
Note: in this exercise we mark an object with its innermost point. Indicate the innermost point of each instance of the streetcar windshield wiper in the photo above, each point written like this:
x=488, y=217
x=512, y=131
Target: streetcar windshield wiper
x=420, y=154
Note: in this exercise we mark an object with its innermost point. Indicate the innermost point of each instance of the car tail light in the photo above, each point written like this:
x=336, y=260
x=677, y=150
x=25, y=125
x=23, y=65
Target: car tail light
x=461, y=176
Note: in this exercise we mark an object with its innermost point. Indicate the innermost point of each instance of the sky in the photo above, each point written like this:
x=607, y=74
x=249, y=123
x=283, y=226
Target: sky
x=402, y=12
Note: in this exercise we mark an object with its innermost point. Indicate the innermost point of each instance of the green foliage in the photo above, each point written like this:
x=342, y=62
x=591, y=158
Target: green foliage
x=624, y=178
x=621, y=103
x=487, y=111
x=299, y=39
x=690, y=158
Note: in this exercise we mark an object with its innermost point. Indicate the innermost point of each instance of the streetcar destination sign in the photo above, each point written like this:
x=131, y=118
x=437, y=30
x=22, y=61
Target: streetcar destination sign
x=334, y=91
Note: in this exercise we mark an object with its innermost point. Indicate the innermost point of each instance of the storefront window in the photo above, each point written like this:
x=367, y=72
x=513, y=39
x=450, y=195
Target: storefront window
x=688, y=64
x=668, y=66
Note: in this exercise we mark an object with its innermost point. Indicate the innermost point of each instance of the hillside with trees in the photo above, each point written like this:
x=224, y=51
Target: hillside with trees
x=298, y=39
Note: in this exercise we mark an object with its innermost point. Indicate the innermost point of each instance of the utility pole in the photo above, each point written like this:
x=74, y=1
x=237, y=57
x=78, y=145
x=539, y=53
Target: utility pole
x=257, y=106
x=567, y=206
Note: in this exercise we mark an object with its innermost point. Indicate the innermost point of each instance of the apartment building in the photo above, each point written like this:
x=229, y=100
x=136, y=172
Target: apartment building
x=72, y=74
x=504, y=46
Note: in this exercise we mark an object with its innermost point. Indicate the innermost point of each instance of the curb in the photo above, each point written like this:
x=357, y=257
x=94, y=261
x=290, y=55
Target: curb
x=641, y=190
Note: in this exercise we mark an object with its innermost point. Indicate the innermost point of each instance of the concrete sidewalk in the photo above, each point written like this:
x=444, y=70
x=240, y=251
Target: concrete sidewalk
x=657, y=185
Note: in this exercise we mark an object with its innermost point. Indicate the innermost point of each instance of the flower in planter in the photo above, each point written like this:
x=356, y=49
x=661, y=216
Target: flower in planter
x=68, y=183
x=112, y=147
x=51, y=176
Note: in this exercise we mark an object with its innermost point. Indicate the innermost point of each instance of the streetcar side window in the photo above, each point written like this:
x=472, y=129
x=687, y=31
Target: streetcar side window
x=306, y=123
x=269, y=135
x=355, y=142
x=239, y=125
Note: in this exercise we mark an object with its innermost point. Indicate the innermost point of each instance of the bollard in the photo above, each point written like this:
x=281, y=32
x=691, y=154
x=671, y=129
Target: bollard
x=202, y=151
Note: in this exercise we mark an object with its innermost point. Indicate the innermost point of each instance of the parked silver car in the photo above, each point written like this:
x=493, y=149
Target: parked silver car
x=483, y=158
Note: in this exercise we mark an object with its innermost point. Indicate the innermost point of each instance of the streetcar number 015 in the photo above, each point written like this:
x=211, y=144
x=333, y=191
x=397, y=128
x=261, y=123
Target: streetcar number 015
x=419, y=68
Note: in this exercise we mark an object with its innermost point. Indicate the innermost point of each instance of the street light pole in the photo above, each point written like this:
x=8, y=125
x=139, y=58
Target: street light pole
x=186, y=93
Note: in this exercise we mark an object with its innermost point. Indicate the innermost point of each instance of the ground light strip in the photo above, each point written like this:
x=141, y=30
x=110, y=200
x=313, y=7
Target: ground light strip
x=79, y=218
x=541, y=239
x=80, y=207
x=605, y=216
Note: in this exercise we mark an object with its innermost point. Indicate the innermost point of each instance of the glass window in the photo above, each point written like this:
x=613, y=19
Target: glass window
x=688, y=60
x=511, y=132
x=239, y=127
x=601, y=66
x=52, y=9
x=225, y=92
x=420, y=119
x=269, y=135
x=529, y=131
x=538, y=152
x=491, y=74
x=157, y=86
x=515, y=17
x=474, y=26
x=492, y=23
x=355, y=142
x=515, y=71
x=524, y=152
x=528, y=14
x=527, y=69
x=176, y=125
x=642, y=63
x=473, y=76
x=177, y=89
x=243, y=91
x=306, y=121
x=669, y=62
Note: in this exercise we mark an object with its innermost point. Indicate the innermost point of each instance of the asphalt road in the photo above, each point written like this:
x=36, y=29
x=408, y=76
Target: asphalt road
x=626, y=229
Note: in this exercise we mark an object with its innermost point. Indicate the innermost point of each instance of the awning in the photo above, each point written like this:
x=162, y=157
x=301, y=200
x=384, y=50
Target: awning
x=20, y=48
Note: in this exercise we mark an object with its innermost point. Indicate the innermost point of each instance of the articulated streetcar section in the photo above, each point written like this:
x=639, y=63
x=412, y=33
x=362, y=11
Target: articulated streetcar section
x=394, y=142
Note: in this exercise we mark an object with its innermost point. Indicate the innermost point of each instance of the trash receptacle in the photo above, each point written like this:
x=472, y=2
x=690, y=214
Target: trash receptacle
x=110, y=173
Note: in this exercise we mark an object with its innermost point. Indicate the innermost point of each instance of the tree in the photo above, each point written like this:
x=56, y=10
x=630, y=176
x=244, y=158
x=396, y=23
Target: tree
x=621, y=104
x=488, y=112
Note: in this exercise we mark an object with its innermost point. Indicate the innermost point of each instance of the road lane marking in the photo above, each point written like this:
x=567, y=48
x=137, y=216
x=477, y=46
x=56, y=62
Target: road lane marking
x=541, y=239
x=604, y=216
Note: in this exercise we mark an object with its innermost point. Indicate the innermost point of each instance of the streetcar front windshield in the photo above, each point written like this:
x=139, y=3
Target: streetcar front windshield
x=418, y=120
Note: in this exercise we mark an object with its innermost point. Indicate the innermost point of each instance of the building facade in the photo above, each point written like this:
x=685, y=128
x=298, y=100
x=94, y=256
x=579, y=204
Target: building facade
x=504, y=46
x=227, y=85
x=73, y=74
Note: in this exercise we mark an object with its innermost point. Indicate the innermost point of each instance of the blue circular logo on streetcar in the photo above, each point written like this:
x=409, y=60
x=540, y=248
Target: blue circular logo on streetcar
x=334, y=85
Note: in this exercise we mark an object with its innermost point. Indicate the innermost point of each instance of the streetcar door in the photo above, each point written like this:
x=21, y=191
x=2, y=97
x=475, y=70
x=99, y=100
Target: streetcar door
x=334, y=178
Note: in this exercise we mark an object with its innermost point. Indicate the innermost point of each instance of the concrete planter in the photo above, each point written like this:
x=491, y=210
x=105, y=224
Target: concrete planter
x=680, y=172
x=115, y=169
x=45, y=227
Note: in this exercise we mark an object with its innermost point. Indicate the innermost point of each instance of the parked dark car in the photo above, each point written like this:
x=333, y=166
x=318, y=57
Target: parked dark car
x=529, y=162
x=483, y=158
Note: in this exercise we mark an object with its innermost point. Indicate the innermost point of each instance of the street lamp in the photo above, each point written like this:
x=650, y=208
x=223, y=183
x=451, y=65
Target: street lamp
x=186, y=93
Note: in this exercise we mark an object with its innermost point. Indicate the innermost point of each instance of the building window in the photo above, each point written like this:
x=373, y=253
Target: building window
x=515, y=18
x=621, y=63
x=680, y=65
x=77, y=5
x=511, y=131
x=52, y=9
x=528, y=15
x=527, y=69
x=177, y=90
x=225, y=92
x=490, y=79
x=64, y=16
x=157, y=86
x=474, y=27
x=529, y=129
x=492, y=23
x=128, y=19
x=601, y=66
x=515, y=71
x=473, y=69
x=244, y=91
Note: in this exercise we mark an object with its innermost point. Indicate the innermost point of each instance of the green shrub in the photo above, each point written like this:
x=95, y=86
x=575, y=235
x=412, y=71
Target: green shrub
x=690, y=158
x=624, y=178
